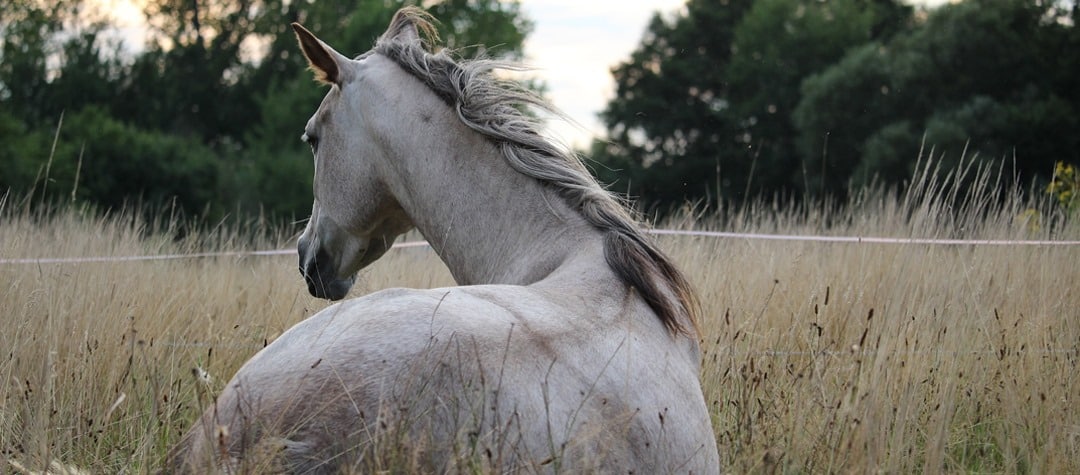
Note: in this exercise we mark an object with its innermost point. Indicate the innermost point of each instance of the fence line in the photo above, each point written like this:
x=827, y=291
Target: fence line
x=866, y=239
x=663, y=232
x=169, y=257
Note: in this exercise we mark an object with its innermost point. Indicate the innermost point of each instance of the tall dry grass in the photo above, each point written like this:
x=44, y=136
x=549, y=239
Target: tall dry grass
x=818, y=357
x=895, y=358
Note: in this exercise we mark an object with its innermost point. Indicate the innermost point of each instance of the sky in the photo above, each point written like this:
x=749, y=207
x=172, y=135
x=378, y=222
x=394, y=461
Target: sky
x=574, y=45
x=572, y=48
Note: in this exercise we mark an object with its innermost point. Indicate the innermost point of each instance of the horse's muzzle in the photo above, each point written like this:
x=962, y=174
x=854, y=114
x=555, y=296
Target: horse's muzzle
x=320, y=278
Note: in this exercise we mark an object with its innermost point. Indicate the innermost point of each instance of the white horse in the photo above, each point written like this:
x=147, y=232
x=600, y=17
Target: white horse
x=569, y=346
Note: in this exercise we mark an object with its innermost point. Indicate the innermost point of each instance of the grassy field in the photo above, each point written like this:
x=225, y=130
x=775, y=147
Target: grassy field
x=818, y=357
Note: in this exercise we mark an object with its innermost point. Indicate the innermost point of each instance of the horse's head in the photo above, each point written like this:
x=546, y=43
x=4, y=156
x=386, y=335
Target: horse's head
x=354, y=218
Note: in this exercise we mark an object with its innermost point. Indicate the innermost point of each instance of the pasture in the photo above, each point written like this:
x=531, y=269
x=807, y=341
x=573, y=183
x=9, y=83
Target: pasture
x=817, y=357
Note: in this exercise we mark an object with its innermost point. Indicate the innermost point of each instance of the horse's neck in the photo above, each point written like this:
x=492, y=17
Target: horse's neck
x=489, y=223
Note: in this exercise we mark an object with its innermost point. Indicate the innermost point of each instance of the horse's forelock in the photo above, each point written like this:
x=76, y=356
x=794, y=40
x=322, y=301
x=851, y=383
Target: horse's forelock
x=492, y=108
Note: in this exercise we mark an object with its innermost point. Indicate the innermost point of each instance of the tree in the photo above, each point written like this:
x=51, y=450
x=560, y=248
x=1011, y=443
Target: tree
x=778, y=44
x=703, y=107
x=30, y=38
x=981, y=78
x=193, y=78
x=53, y=59
x=669, y=124
x=211, y=111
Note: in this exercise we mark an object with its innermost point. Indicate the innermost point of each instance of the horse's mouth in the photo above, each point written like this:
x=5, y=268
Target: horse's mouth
x=321, y=278
x=335, y=289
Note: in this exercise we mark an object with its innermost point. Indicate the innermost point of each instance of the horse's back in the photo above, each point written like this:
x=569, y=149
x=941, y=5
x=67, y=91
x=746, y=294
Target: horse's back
x=497, y=375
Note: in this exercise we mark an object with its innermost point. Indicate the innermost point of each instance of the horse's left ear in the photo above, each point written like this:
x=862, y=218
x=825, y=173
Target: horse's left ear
x=406, y=33
x=412, y=25
x=324, y=61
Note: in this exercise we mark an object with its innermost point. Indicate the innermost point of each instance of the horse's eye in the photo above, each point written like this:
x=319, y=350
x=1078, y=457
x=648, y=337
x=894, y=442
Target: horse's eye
x=311, y=140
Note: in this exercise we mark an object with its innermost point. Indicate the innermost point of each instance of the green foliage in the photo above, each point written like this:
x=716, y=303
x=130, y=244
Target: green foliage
x=276, y=163
x=669, y=124
x=23, y=155
x=727, y=100
x=1065, y=187
x=978, y=79
x=777, y=44
x=888, y=153
x=27, y=40
x=208, y=116
x=102, y=160
x=731, y=100
x=703, y=107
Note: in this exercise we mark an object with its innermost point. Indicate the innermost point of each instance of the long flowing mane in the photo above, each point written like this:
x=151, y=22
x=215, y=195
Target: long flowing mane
x=491, y=107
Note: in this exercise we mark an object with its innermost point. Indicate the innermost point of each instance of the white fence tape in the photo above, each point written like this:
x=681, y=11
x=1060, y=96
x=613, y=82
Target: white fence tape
x=169, y=257
x=866, y=239
x=152, y=257
x=715, y=234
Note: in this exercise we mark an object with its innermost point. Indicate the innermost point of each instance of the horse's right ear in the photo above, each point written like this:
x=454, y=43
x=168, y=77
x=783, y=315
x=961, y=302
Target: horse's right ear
x=322, y=59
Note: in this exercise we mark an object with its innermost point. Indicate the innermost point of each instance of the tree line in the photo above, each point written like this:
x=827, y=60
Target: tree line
x=206, y=116
x=738, y=99
x=722, y=101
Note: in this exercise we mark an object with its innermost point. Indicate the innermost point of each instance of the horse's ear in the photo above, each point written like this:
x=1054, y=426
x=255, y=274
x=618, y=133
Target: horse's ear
x=409, y=24
x=322, y=58
x=406, y=32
